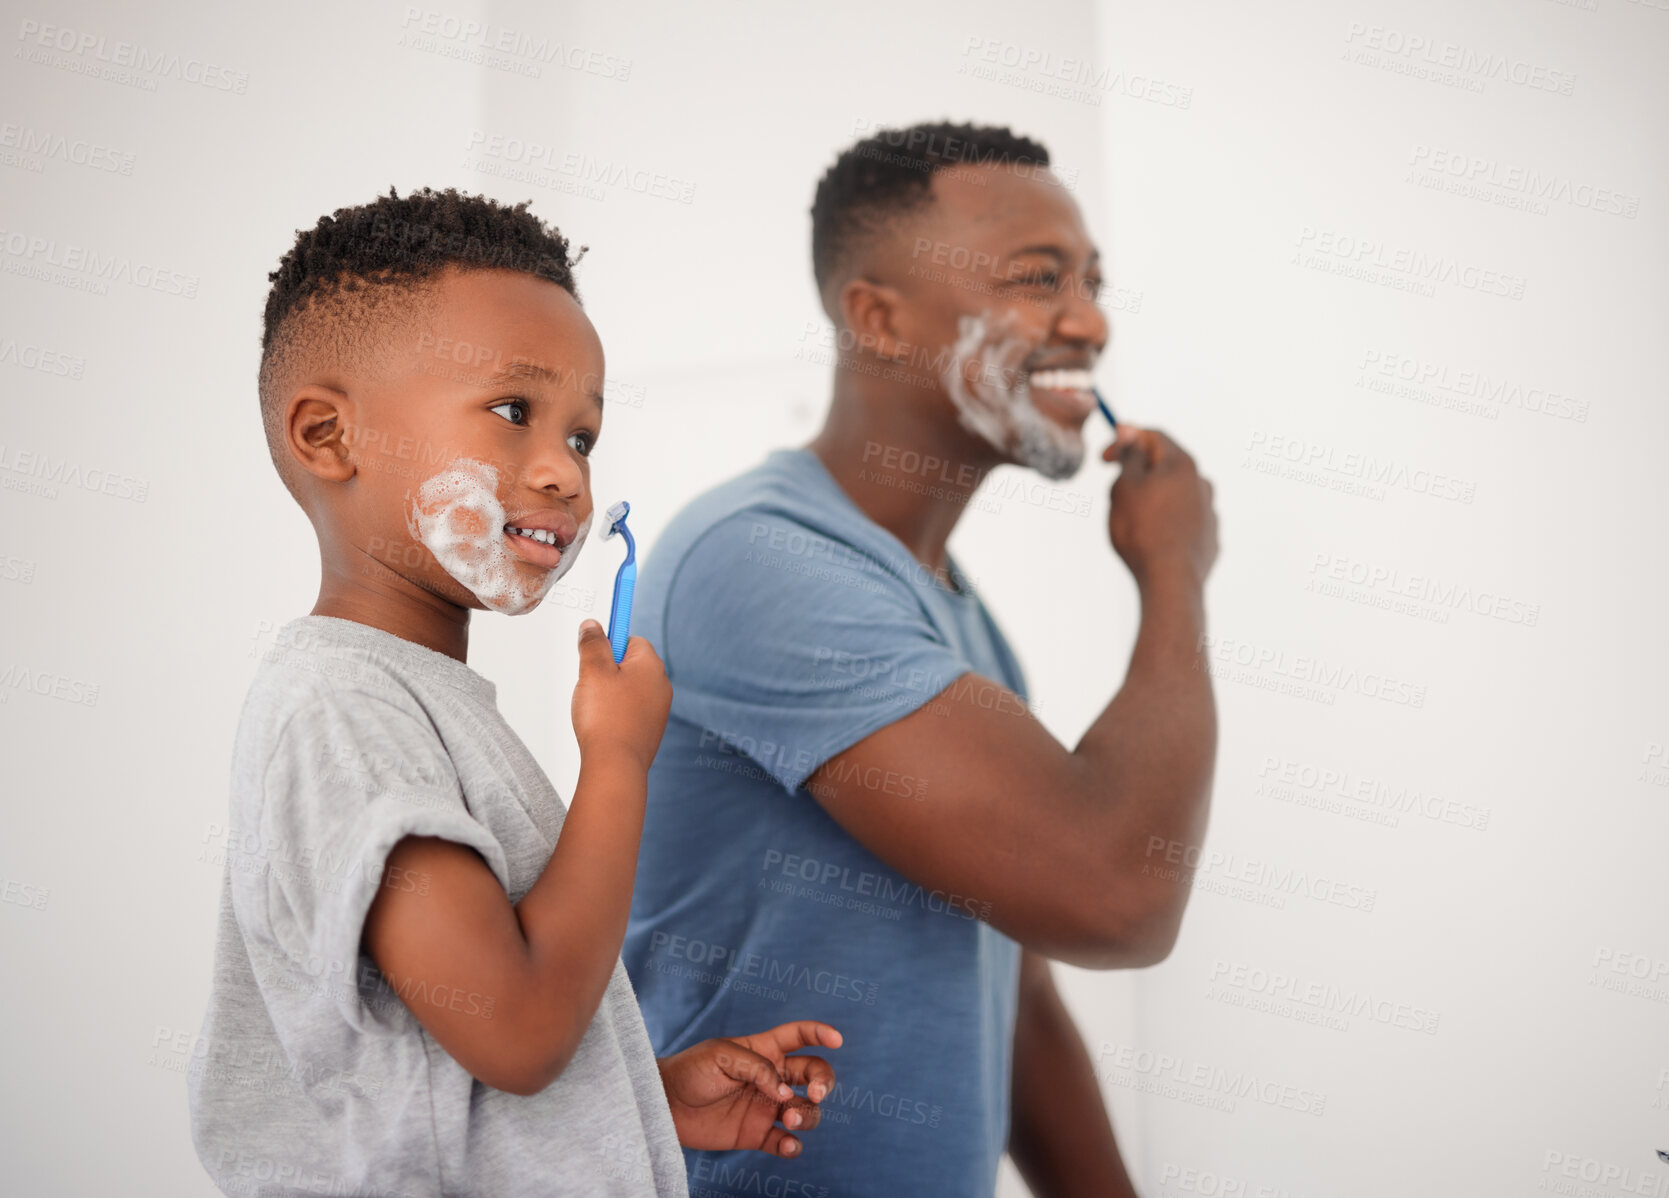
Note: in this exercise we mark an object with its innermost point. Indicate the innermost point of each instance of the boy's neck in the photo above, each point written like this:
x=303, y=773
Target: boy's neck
x=396, y=606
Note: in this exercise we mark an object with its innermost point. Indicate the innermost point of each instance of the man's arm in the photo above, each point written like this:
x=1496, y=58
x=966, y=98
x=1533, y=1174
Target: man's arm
x=1074, y=853
x=533, y=974
x=1060, y=1136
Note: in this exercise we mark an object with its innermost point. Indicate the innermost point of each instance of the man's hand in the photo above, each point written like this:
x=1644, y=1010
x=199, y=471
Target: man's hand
x=731, y=1093
x=1160, y=514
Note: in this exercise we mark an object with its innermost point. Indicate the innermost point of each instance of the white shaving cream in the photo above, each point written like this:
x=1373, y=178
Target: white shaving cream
x=458, y=516
x=998, y=406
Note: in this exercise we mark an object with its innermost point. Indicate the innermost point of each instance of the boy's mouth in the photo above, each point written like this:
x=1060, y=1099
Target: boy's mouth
x=534, y=542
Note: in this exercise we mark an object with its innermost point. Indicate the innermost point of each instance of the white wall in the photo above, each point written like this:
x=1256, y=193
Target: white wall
x=1534, y=1065
x=163, y=602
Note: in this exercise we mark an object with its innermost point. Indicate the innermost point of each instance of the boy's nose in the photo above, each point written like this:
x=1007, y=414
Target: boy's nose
x=555, y=468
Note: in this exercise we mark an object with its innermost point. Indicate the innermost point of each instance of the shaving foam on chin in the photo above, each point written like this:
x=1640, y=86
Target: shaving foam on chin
x=1001, y=412
x=457, y=515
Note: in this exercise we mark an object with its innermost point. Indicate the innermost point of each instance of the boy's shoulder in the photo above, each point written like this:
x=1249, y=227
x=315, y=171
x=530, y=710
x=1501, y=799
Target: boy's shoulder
x=322, y=673
x=348, y=732
x=321, y=655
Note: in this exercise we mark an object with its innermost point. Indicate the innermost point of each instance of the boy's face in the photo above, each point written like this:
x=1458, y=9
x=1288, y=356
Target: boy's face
x=473, y=478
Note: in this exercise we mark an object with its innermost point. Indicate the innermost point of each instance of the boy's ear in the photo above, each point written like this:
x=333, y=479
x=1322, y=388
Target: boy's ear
x=315, y=431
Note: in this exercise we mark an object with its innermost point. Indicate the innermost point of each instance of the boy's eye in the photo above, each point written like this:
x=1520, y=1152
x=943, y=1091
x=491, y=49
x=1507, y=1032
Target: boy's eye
x=519, y=405
x=586, y=441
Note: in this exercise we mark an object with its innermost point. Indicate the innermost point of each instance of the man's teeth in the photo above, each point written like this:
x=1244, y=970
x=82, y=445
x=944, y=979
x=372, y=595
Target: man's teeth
x=538, y=534
x=1062, y=380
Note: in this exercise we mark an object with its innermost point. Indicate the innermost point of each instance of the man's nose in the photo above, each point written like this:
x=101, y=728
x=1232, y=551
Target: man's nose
x=1082, y=320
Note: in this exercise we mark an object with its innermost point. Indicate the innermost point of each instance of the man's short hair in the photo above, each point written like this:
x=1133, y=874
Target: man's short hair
x=347, y=279
x=891, y=173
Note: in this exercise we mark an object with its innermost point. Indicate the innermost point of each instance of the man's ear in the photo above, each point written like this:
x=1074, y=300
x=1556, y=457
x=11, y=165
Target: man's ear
x=870, y=310
x=315, y=431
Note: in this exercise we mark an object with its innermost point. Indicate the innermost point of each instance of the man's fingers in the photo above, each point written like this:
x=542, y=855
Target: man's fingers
x=1134, y=458
x=740, y=1063
x=1126, y=437
x=814, y=1073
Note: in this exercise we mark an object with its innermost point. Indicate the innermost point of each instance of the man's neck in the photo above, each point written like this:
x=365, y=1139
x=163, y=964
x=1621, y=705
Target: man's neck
x=902, y=466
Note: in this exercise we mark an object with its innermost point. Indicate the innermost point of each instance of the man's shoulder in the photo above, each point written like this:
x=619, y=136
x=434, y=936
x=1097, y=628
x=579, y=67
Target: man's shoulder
x=783, y=505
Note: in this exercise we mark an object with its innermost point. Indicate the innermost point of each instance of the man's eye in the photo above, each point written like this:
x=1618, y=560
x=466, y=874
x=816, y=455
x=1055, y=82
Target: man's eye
x=519, y=405
x=586, y=441
x=1092, y=288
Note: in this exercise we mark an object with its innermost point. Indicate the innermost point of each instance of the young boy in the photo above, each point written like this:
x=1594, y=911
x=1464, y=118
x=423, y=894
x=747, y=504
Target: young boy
x=417, y=984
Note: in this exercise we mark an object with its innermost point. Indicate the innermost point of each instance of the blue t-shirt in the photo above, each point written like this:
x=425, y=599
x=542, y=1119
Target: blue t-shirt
x=792, y=626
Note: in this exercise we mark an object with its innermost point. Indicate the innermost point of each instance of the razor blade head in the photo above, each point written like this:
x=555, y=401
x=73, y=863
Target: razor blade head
x=615, y=515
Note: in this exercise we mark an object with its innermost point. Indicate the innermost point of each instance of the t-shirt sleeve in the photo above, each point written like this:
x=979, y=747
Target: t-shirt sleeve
x=350, y=776
x=789, y=645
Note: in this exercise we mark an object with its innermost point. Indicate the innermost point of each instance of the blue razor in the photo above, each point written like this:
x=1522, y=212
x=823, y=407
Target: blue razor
x=1105, y=410
x=625, y=582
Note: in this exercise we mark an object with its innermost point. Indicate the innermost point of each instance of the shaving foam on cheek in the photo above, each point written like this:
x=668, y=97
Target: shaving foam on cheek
x=978, y=414
x=457, y=515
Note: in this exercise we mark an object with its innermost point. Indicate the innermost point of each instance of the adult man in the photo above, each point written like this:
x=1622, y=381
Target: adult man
x=853, y=809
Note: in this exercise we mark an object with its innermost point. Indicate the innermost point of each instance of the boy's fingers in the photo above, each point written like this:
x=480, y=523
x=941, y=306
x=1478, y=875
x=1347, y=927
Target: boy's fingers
x=740, y=1063
x=786, y=1037
x=594, y=646
x=780, y=1143
x=636, y=647
x=814, y=1073
x=801, y=1114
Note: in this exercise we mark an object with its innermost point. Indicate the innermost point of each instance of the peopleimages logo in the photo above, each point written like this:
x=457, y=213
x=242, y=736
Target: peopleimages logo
x=1224, y=655
x=729, y=967
x=39, y=41
x=41, y=257
x=1172, y=860
x=1416, y=265
x=1532, y=186
x=1324, y=997
x=887, y=888
x=1201, y=1082
x=1448, y=62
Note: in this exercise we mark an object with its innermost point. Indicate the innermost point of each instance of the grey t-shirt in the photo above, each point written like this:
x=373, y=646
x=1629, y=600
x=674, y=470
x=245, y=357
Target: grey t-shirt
x=311, y=1075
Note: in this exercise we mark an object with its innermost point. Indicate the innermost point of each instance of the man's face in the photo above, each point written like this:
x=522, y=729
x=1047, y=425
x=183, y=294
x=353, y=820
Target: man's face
x=473, y=443
x=1001, y=270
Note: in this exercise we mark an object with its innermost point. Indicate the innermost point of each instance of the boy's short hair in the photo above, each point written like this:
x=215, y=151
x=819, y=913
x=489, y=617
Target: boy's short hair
x=361, y=270
x=891, y=172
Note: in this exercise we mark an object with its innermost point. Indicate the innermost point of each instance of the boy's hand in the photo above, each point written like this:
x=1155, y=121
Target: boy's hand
x=730, y=1093
x=621, y=707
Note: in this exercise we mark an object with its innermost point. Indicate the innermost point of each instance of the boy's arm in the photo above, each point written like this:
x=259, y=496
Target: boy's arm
x=508, y=990
x=1060, y=1136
